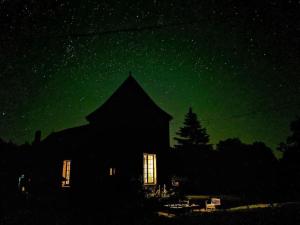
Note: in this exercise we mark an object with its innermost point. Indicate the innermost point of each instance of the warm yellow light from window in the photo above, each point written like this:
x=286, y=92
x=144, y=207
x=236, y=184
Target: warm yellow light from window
x=149, y=169
x=66, y=173
x=112, y=171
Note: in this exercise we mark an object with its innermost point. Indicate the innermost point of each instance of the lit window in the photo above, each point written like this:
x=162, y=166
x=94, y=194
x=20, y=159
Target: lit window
x=149, y=169
x=66, y=173
x=22, y=183
x=112, y=171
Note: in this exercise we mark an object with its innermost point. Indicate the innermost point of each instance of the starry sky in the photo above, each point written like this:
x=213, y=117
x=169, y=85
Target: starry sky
x=235, y=63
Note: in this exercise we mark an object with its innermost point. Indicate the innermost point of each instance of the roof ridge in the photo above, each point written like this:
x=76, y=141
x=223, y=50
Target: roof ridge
x=130, y=84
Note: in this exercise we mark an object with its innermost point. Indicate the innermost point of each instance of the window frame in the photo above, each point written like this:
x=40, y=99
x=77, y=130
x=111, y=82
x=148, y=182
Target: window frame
x=112, y=171
x=66, y=173
x=149, y=169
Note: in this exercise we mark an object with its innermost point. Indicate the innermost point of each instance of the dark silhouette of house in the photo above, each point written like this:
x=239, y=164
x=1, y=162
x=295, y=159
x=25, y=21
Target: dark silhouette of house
x=125, y=142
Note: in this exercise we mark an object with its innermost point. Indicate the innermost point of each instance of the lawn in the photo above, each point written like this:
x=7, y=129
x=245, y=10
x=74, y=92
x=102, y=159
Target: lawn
x=46, y=215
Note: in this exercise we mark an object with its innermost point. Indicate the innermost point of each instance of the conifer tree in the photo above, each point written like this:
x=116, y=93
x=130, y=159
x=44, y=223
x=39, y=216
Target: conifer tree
x=192, y=134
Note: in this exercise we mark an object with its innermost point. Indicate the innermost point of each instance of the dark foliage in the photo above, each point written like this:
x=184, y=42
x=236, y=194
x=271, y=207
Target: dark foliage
x=290, y=162
x=191, y=155
x=247, y=170
x=192, y=135
x=234, y=168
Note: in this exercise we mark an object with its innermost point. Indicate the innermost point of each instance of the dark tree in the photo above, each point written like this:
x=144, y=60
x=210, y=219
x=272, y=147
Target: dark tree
x=263, y=172
x=192, y=135
x=290, y=162
x=291, y=149
x=192, y=155
x=233, y=165
x=247, y=169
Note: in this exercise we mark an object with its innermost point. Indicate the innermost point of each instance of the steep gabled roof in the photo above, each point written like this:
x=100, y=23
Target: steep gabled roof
x=129, y=95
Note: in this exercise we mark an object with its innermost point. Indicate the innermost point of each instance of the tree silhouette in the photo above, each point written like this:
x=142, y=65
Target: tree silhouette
x=192, y=155
x=263, y=171
x=248, y=170
x=192, y=135
x=233, y=165
x=290, y=162
x=291, y=149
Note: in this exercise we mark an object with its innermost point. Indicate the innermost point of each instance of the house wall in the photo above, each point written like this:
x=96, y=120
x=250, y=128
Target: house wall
x=95, y=149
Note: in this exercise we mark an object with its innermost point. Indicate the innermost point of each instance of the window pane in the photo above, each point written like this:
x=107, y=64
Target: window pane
x=112, y=171
x=66, y=173
x=149, y=168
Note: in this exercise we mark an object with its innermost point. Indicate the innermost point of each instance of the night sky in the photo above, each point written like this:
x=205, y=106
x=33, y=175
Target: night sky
x=235, y=62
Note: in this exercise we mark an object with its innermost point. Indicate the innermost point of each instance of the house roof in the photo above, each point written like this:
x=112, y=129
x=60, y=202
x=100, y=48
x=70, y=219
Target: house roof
x=68, y=135
x=129, y=96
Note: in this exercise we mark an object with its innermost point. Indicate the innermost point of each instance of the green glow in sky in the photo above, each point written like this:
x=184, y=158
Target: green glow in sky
x=240, y=80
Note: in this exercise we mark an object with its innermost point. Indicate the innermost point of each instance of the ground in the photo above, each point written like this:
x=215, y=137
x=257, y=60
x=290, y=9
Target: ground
x=288, y=214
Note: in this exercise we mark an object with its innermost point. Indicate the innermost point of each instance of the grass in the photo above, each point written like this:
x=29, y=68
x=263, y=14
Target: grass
x=284, y=215
x=259, y=216
x=92, y=211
